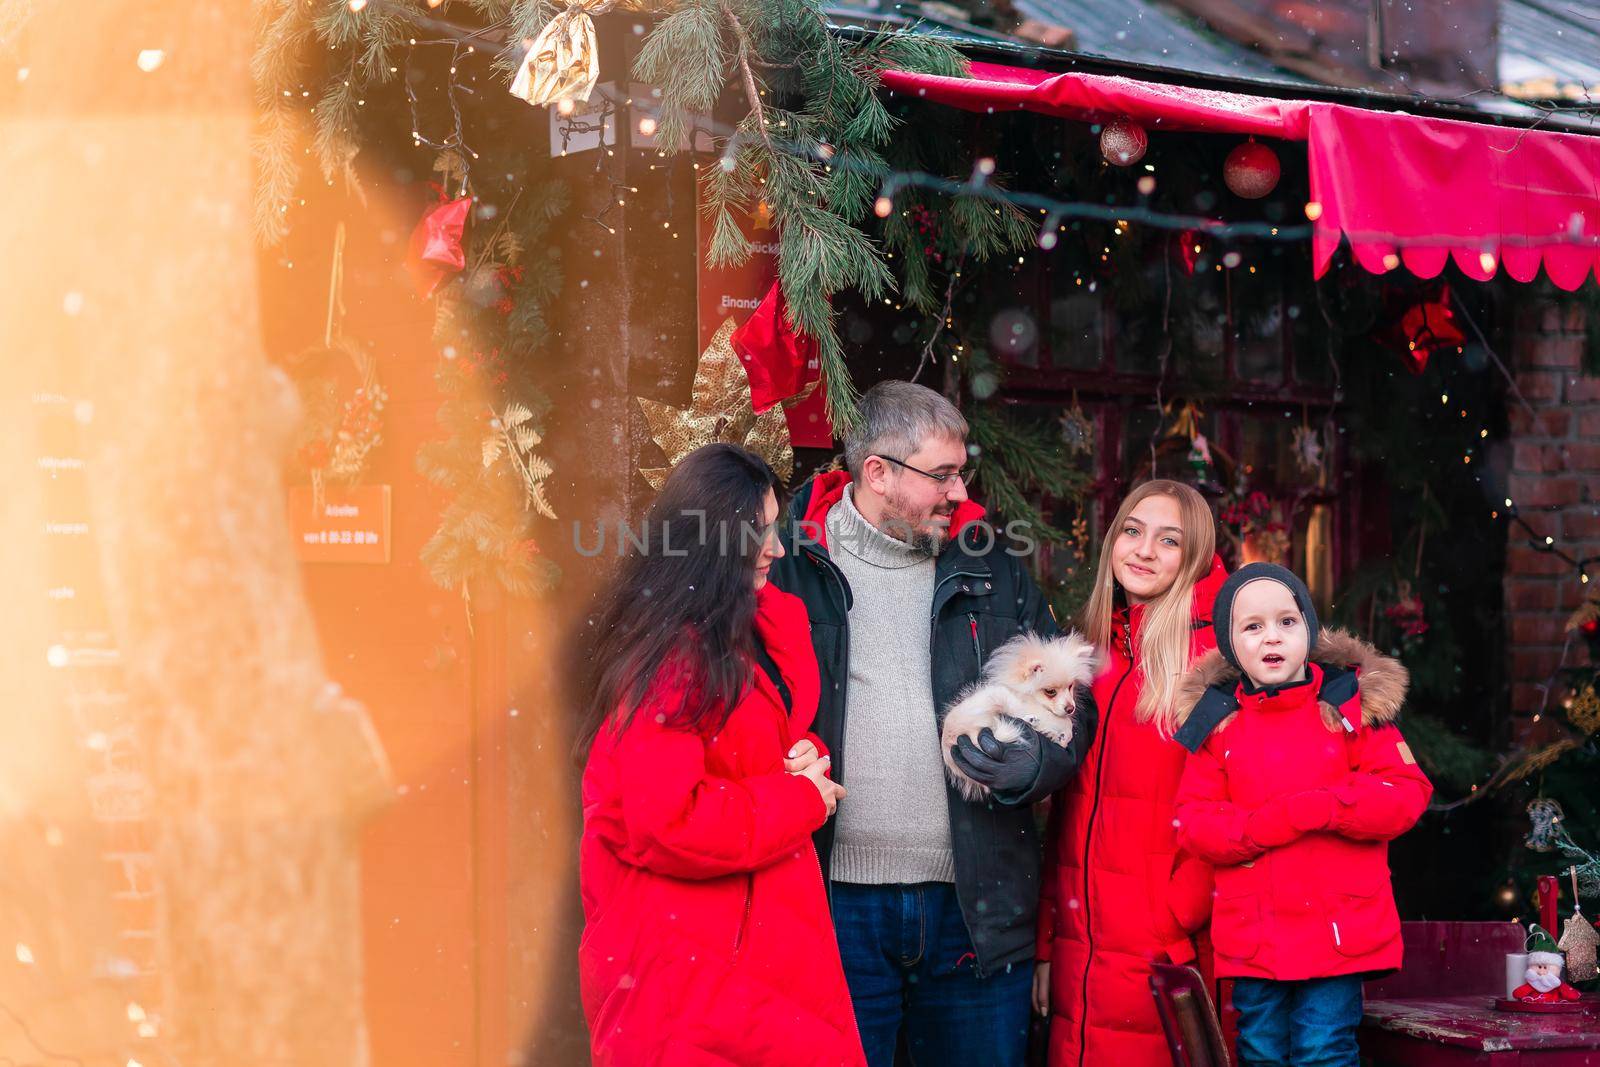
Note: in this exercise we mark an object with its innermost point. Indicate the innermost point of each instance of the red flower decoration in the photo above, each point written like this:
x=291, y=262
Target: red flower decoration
x=524, y=551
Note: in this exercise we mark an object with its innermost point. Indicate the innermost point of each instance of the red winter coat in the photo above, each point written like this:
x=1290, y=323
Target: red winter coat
x=707, y=939
x=1296, y=810
x=1116, y=894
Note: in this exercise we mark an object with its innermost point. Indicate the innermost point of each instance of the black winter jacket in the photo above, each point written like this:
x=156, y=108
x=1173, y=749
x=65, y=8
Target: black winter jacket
x=983, y=596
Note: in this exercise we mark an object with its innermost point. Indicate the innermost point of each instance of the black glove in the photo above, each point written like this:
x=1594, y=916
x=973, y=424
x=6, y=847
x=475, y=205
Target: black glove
x=1007, y=769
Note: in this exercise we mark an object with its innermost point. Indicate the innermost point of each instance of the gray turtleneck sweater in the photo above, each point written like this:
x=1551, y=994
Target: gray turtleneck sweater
x=894, y=826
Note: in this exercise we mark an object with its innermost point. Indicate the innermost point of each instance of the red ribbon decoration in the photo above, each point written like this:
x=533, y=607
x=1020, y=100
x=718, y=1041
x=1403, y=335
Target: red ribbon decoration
x=435, y=251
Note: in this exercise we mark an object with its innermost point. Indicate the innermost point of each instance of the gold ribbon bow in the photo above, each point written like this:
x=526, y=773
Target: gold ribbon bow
x=564, y=62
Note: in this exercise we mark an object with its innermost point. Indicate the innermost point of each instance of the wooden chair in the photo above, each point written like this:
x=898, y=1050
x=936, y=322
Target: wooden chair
x=1194, y=1033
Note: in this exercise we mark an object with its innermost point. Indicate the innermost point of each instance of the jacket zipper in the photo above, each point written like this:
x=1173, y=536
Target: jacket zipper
x=977, y=648
x=933, y=614
x=744, y=923
x=1088, y=845
x=933, y=629
x=836, y=769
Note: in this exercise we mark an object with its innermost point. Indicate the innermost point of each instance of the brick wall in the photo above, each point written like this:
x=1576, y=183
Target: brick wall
x=1555, y=482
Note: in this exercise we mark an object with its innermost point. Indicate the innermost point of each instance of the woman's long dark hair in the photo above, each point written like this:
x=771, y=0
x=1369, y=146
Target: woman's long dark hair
x=686, y=599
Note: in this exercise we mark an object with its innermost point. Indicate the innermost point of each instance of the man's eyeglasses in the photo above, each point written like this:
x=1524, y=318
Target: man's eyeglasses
x=966, y=474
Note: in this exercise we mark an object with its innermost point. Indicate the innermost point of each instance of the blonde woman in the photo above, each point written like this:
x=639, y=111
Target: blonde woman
x=1116, y=893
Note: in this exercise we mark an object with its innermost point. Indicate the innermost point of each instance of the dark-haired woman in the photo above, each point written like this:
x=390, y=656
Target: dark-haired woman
x=707, y=937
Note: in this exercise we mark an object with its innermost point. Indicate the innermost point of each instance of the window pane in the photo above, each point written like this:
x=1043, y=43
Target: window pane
x=1014, y=336
x=1311, y=360
x=1200, y=321
x=1257, y=303
x=1137, y=342
x=1077, y=331
x=1171, y=453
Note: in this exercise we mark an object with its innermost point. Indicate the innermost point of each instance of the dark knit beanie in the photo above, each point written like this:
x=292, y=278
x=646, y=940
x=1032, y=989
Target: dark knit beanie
x=1222, y=610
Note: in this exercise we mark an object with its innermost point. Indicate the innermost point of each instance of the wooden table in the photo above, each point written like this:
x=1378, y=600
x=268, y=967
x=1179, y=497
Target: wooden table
x=1460, y=1030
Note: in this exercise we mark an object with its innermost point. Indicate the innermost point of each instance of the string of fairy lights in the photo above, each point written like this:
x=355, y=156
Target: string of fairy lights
x=1054, y=214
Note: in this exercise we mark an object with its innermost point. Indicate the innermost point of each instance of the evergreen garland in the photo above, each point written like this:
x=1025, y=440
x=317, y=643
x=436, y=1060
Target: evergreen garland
x=810, y=145
x=490, y=318
x=362, y=43
x=489, y=323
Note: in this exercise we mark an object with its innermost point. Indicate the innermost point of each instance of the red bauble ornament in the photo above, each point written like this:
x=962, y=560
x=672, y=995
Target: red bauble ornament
x=1123, y=142
x=1251, y=170
x=435, y=252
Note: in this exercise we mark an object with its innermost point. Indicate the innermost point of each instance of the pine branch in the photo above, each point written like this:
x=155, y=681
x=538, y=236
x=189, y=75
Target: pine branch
x=525, y=18
x=919, y=52
x=335, y=140
x=277, y=170
x=279, y=59
x=388, y=28
x=340, y=27
x=729, y=246
x=1023, y=459
x=820, y=159
x=686, y=57
x=752, y=90
x=989, y=228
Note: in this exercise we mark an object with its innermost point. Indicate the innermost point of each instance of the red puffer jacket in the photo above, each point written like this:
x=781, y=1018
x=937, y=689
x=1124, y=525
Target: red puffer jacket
x=707, y=939
x=1295, y=796
x=1116, y=893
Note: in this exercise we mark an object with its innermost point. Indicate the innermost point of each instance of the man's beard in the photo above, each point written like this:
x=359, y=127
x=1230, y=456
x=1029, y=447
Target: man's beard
x=898, y=524
x=1542, y=983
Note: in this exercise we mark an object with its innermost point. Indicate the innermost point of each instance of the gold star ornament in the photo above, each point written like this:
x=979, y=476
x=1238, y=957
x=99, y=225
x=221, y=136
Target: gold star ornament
x=719, y=410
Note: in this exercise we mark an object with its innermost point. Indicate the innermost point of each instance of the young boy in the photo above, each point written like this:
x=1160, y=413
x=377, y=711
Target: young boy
x=1297, y=781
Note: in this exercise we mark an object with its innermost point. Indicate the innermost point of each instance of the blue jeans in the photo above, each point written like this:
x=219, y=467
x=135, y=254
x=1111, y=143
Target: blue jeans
x=1309, y=1023
x=911, y=967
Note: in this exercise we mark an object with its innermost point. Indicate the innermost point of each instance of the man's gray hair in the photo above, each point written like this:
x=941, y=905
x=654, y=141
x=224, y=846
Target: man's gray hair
x=897, y=418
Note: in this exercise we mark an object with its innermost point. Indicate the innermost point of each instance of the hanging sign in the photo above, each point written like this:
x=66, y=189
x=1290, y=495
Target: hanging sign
x=352, y=526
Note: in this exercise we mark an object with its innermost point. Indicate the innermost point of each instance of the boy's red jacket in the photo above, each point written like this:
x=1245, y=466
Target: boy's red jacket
x=706, y=932
x=1294, y=796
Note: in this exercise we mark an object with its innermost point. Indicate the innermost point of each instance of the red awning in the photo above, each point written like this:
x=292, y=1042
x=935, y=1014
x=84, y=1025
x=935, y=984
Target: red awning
x=1400, y=188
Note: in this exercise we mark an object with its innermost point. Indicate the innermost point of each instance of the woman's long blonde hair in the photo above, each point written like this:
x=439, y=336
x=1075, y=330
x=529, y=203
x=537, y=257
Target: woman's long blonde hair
x=1166, y=635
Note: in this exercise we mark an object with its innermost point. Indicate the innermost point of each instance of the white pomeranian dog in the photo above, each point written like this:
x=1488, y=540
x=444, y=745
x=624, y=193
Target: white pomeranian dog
x=1027, y=680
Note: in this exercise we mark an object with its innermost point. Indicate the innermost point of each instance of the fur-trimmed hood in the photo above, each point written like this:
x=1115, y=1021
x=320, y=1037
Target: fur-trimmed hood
x=1383, y=679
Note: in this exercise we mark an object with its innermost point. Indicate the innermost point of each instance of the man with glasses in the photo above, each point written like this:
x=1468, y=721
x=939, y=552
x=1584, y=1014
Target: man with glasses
x=909, y=589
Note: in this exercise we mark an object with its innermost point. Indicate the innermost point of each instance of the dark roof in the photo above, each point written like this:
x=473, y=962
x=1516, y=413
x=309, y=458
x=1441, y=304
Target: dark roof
x=1143, y=31
x=1550, y=50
